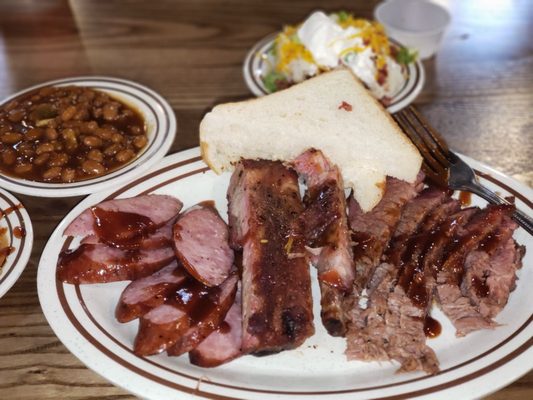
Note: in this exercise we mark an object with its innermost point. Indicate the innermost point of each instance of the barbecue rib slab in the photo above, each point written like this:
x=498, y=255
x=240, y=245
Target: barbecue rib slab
x=264, y=205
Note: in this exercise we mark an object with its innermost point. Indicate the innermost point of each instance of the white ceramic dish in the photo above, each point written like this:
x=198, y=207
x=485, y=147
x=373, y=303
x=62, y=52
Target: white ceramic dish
x=258, y=63
x=161, y=129
x=17, y=224
x=83, y=319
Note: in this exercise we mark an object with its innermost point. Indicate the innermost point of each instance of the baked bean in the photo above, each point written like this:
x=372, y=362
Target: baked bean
x=92, y=141
x=136, y=130
x=16, y=115
x=95, y=155
x=112, y=150
x=89, y=127
x=140, y=141
x=11, y=138
x=24, y=168
x=117, y=138
x=51, y=134
x=44, y=148
x=41, y=159
x=91, y=167
x=52, y=173
x=110, y=111
x=124, y=155
x=33, y=134
x=9, y=156
x=68, y=175
x=67, y=134
x=104, y=133
x=58, y=160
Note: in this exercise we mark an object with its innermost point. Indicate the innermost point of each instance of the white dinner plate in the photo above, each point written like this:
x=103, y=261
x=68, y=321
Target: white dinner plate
x=160, y=128
x=83, y=319
x=15, y=223
x=258, y=64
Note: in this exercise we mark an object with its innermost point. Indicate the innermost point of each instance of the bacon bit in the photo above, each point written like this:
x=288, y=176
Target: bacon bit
x=345, y=106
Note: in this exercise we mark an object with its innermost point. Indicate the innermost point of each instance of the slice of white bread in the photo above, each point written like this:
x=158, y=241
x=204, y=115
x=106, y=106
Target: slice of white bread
x=364, y=142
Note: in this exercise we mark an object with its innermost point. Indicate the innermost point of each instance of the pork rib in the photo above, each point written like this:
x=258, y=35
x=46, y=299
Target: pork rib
x=326, y=229
x=263, y=207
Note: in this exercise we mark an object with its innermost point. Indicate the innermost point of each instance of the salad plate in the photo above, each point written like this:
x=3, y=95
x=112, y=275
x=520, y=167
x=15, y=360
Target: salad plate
x=259, y=63
x=83, y=319
x=16, y=233
x=160, y=124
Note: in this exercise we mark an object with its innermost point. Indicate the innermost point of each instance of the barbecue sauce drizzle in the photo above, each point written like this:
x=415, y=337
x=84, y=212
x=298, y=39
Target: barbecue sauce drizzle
x=121, y=229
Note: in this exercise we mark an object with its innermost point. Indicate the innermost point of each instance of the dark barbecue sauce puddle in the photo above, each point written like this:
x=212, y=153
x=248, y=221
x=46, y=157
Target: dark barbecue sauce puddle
x=432, y=327
x=121, y=229
x=195, y=299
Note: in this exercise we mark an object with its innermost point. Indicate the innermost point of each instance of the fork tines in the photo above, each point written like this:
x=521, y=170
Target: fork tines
x=430, y=144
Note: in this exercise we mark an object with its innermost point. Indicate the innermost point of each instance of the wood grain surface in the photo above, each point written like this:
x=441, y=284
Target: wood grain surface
x=479, y=94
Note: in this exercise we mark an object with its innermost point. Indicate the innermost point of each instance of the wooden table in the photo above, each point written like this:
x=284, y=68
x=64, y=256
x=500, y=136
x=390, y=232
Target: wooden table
x=479, y=94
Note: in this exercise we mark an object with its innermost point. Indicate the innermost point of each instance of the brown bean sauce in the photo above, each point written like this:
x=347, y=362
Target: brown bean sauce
x=121, y=229
x=432, y=327
x=68, y=134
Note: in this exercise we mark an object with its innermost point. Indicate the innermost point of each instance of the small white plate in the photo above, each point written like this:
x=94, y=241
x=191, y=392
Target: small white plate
x=257, y=64
x=83, y=319
x=16, y=221
x=161, y=129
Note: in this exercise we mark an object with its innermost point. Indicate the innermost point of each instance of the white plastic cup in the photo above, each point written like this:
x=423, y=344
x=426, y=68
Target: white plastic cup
x=416, y=24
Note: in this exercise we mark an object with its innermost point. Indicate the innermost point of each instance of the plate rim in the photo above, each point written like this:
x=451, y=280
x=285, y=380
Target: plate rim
x=192, y=156
x=417, y=75
x=164, y=135
x=18, y=265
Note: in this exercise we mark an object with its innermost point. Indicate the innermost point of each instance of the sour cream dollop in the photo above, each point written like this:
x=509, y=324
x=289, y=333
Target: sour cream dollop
x=332, y=45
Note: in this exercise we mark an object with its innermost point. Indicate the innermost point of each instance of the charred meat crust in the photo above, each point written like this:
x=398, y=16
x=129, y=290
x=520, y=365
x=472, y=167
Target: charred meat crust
x=264, y=203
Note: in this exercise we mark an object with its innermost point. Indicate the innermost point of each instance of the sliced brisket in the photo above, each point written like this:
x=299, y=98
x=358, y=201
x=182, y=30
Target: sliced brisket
x=464, y=315
x=264, y=205
x=387, y=324
x=372, y=231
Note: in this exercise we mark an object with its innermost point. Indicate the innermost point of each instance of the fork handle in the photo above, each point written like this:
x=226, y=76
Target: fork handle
x=519, y=216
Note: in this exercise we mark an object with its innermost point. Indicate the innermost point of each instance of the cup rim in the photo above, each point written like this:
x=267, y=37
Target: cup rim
x=437, y=7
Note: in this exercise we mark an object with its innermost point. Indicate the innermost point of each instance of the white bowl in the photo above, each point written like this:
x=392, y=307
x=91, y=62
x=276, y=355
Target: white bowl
x=161, y=129
x=419, y=24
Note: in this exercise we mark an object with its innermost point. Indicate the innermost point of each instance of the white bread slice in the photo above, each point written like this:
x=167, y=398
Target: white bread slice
x=365, y=143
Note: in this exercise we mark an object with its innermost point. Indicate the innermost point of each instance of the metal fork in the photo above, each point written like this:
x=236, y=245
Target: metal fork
x=444, y=166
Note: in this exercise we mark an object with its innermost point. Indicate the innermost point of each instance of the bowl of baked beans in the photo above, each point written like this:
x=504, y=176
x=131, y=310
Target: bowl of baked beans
x=76, y=136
